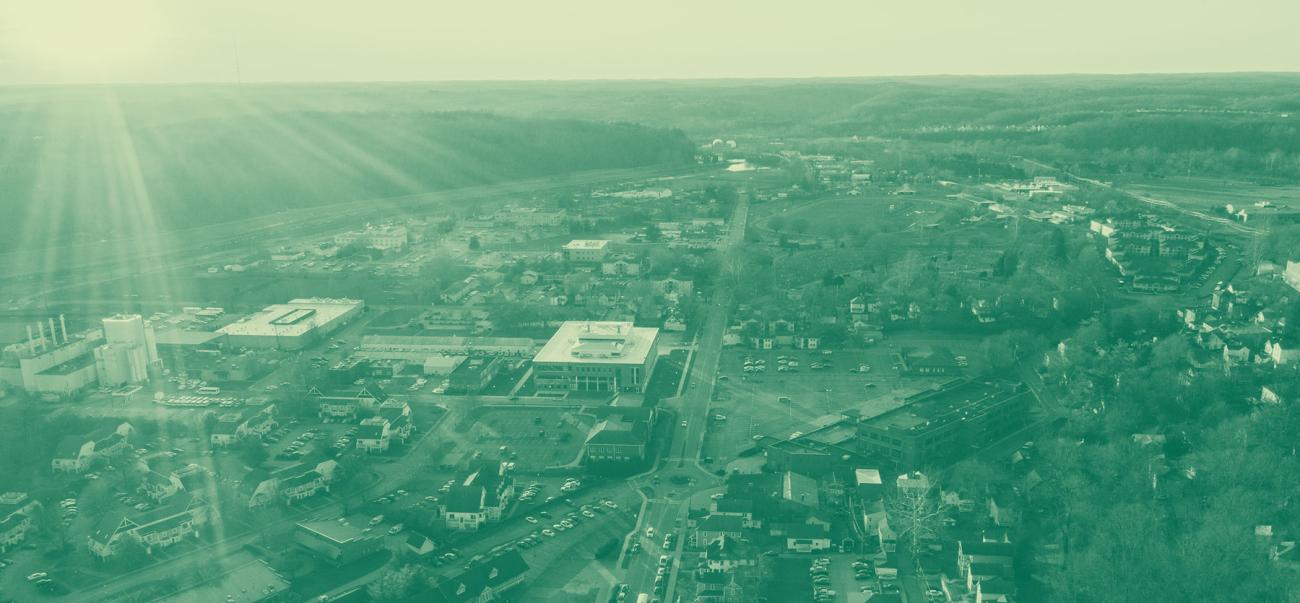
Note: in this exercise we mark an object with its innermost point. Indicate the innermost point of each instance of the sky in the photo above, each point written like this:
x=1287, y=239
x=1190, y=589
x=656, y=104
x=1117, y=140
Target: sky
x=177, y=41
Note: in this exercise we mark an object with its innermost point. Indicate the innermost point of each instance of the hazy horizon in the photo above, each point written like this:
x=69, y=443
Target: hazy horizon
x=147, y=41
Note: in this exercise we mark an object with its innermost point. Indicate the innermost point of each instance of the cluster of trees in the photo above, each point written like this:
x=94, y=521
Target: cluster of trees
x=257, y=164
x=1173, y=518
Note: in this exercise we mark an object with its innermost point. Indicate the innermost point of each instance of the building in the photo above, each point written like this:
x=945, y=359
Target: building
x=597, y=357
x=727, y=553
x=484, y=581
x=618, y=438
x=178, y=520
x=1292, y=274
x=383, y=238
x=289, y=484
x=804, y=537
x=478, y=498
x=337, y=541
x=73, y=454
x=17, y=512
x=373, y=436
x=946, y=423
x=55, y=364
x=419, y=348
x=937, y=360
x=294, y=325
x=232, y=427
x=586, y=250
x=129, y=353
x=474, y=374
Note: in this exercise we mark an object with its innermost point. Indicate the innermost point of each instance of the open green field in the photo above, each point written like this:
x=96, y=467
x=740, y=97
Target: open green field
x=873, y=209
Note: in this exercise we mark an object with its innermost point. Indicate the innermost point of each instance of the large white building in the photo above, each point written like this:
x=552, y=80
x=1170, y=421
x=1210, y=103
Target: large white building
x=1292, y=275
x=586, y=250
x=597, y=356
x=293, y=325
x=382, y=238
x=130, y=349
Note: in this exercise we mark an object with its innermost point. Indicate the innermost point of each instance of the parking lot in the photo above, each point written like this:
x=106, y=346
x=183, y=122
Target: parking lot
x=782, y=394
x=534, y=437
x=292, y=442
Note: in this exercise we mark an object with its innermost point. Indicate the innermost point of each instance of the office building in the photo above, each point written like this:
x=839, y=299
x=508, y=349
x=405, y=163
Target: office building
x=597, y=357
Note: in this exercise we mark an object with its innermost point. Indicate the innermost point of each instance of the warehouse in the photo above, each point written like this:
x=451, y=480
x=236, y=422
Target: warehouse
x=294, y=325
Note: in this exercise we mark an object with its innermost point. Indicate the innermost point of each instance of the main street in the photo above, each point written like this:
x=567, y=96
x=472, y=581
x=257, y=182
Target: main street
x=666, y=508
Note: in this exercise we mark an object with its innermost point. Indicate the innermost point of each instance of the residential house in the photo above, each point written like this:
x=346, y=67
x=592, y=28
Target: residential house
x=263, y=487
x=303, y=486
x=17, y=512
x=713, y=527
x=179, y=519
x=419, y=544
x=373, y=436
x=159, y=487
x=73, y=454
x=803, y=537
x=482, y=582
x=727, y=553
x=478, y=498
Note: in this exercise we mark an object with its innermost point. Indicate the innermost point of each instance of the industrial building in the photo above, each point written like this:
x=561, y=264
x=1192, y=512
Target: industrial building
x=294, y=325
x=129, y=352
x=441, y=355
x=946, y=423
x=53, y=363
x=597, y=357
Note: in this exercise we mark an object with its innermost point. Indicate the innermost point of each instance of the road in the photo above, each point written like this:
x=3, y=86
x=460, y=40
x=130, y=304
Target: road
x=667, y=509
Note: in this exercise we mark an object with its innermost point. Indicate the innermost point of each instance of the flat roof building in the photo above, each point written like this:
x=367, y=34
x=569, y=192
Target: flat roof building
x=946, y=423
x=337, y=541
x=293, y=325
x=598, y=357
x=586, y=250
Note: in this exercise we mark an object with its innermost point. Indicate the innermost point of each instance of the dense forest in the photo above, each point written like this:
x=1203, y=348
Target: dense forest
x=83, y=164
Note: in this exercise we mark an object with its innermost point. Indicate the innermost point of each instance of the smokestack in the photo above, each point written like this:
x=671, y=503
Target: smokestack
x=31, y=341
x=54, y=337
x=40, y=329
x=63, y=326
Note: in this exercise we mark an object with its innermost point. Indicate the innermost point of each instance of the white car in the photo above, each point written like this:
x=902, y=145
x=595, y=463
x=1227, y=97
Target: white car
x=37, y=576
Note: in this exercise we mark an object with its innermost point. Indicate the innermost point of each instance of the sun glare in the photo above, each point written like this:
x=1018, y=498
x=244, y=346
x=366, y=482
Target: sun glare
x=84, y=37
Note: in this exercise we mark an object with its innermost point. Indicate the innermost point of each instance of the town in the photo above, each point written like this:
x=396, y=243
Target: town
x=742, y=383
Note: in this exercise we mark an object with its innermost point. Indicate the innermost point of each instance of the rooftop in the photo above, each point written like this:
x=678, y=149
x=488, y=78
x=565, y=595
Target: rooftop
x=334, y=530
x=952, y=401
x=586, y=244
x=598, y=343
x=295, y=318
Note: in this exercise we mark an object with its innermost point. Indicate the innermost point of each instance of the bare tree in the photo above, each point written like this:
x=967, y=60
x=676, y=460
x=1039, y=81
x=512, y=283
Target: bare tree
x=916, y=511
